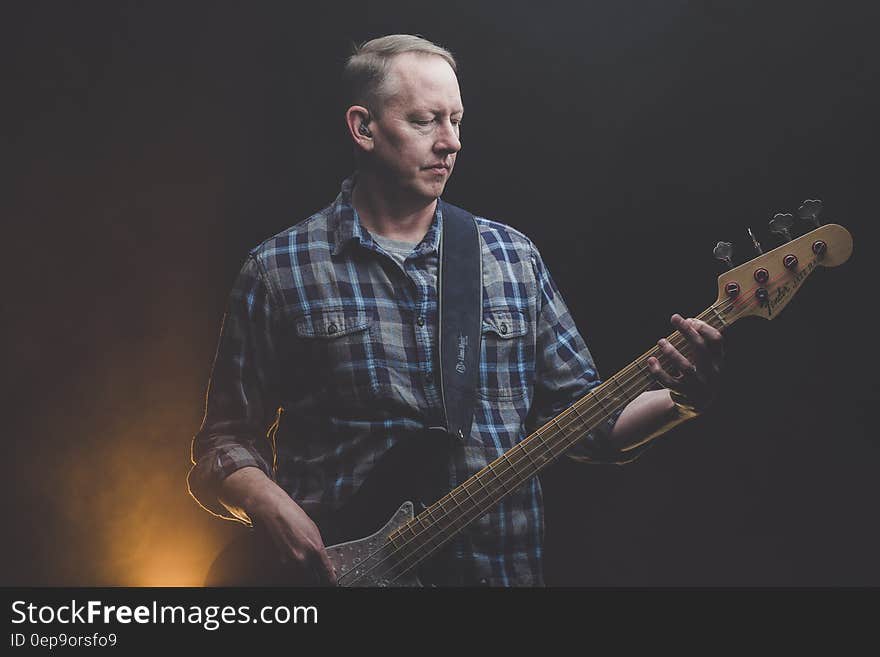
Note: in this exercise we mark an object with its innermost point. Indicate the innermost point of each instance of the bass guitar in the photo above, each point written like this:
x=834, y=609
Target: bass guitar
x=384, y=535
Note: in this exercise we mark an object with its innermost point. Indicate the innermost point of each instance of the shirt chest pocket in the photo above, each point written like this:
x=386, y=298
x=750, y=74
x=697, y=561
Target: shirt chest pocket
x=338, y=353
x=507, y=354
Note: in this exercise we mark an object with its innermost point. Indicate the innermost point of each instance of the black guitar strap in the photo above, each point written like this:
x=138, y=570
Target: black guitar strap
x=460, y=303
x=460, y=306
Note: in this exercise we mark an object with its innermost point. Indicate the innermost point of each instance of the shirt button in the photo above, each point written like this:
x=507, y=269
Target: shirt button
x=503, y=329
x=420, y=321
x=331, y=329
x=429, y=377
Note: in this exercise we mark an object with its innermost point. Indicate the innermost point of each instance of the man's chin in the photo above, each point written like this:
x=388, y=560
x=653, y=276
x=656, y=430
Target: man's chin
x=435, y=189
x=423, y=190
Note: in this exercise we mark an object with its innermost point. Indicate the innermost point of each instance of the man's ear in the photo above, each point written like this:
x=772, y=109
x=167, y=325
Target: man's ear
x=357, y=118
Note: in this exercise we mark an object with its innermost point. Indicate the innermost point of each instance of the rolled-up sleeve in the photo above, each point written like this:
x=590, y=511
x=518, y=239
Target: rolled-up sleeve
x=565, y=372
x=242, y=398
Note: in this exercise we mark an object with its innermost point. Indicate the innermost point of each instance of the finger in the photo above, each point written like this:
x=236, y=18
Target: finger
x=713, y=337
x=675, y=361
x=662, y=376
x=687, y=328
x=703, y=355
x=326, y=572
x=657, y=372
x=314, y=564
x=699, y=332
x=320, y=560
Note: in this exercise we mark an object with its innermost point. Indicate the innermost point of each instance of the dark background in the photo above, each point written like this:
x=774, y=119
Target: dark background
x=148, y=146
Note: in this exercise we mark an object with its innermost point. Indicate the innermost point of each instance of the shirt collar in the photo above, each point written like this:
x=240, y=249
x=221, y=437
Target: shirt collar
x=347, y=226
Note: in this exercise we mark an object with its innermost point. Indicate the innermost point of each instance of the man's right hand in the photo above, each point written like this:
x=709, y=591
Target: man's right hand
x=249, y=493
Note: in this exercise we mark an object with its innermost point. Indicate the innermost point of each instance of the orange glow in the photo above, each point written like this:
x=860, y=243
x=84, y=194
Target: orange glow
x=173, y=564
x=135, y=524
x=156, y=554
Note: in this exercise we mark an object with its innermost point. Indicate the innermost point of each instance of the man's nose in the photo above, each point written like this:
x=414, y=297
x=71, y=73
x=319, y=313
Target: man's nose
x=448, y=139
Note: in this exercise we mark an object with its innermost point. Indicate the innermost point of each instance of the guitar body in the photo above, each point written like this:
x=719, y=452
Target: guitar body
x=355, y=535
x=251, y=560
x=359, y=558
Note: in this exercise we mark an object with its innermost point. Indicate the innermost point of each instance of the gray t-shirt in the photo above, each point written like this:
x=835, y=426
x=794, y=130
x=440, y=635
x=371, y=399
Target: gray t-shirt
x=396, y=249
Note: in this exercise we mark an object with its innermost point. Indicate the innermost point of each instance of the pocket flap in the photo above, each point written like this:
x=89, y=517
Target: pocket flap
x=505, y=322
x=332, y=323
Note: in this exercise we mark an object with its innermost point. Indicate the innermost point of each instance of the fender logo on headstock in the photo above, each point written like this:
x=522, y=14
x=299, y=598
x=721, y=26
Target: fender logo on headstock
x=783, y=290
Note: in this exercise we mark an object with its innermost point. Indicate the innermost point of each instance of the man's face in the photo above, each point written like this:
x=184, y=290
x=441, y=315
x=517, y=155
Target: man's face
x=416, y=132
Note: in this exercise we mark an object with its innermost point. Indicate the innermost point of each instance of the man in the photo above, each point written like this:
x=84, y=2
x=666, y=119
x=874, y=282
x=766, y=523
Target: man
x=334, y=322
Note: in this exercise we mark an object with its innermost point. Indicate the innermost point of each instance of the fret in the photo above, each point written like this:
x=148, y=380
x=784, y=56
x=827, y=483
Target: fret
x=516, y=478
x=572, y=425
x=540, y=450
x=397, y=536
x=594, y=393
x=570, y=417
x=526, y=468
x=485, y=488
x=464, y=487
x=525, y=450
x=540, y=437
x=440, y=504
x=644, y=372
x=506, y=457
x=562, y=431
x=582, y=419
x=430, y=512
x=409, y=526
x=678, y=341
x=455, y=501
x=718, y=315
x=497, y=476
x=413, y=545
x=423, y=536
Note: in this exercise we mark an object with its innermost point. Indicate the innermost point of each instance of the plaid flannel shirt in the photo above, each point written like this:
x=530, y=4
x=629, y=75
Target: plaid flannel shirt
x=327, y=358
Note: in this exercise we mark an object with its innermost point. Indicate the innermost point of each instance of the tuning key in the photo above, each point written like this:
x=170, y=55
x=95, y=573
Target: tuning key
x=781, y=224
x=755, y=242
x=810, y=210
x=724, y=251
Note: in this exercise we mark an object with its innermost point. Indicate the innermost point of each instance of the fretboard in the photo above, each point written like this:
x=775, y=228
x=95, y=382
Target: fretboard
x=435, y=526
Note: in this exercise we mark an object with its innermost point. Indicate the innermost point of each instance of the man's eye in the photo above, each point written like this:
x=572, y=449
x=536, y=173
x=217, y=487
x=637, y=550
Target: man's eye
x=422, y=122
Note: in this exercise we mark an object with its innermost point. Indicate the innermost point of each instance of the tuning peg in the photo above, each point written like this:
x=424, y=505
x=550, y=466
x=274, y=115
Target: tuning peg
x=755, y=242
x=810, y=210
x=781, y=224
x=724, y=251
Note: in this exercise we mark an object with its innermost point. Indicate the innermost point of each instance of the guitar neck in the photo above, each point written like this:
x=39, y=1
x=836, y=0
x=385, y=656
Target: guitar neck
x=439, y=523
x=761, y=287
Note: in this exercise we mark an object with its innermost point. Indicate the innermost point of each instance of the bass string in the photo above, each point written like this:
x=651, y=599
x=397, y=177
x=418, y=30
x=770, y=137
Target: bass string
x=496, y=489
x=634, y=379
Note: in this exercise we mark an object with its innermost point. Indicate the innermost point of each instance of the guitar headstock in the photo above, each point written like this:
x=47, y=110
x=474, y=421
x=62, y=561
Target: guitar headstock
x=764, y=286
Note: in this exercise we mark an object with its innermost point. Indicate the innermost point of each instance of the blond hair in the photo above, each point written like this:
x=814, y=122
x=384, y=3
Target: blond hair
x=366, y=72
